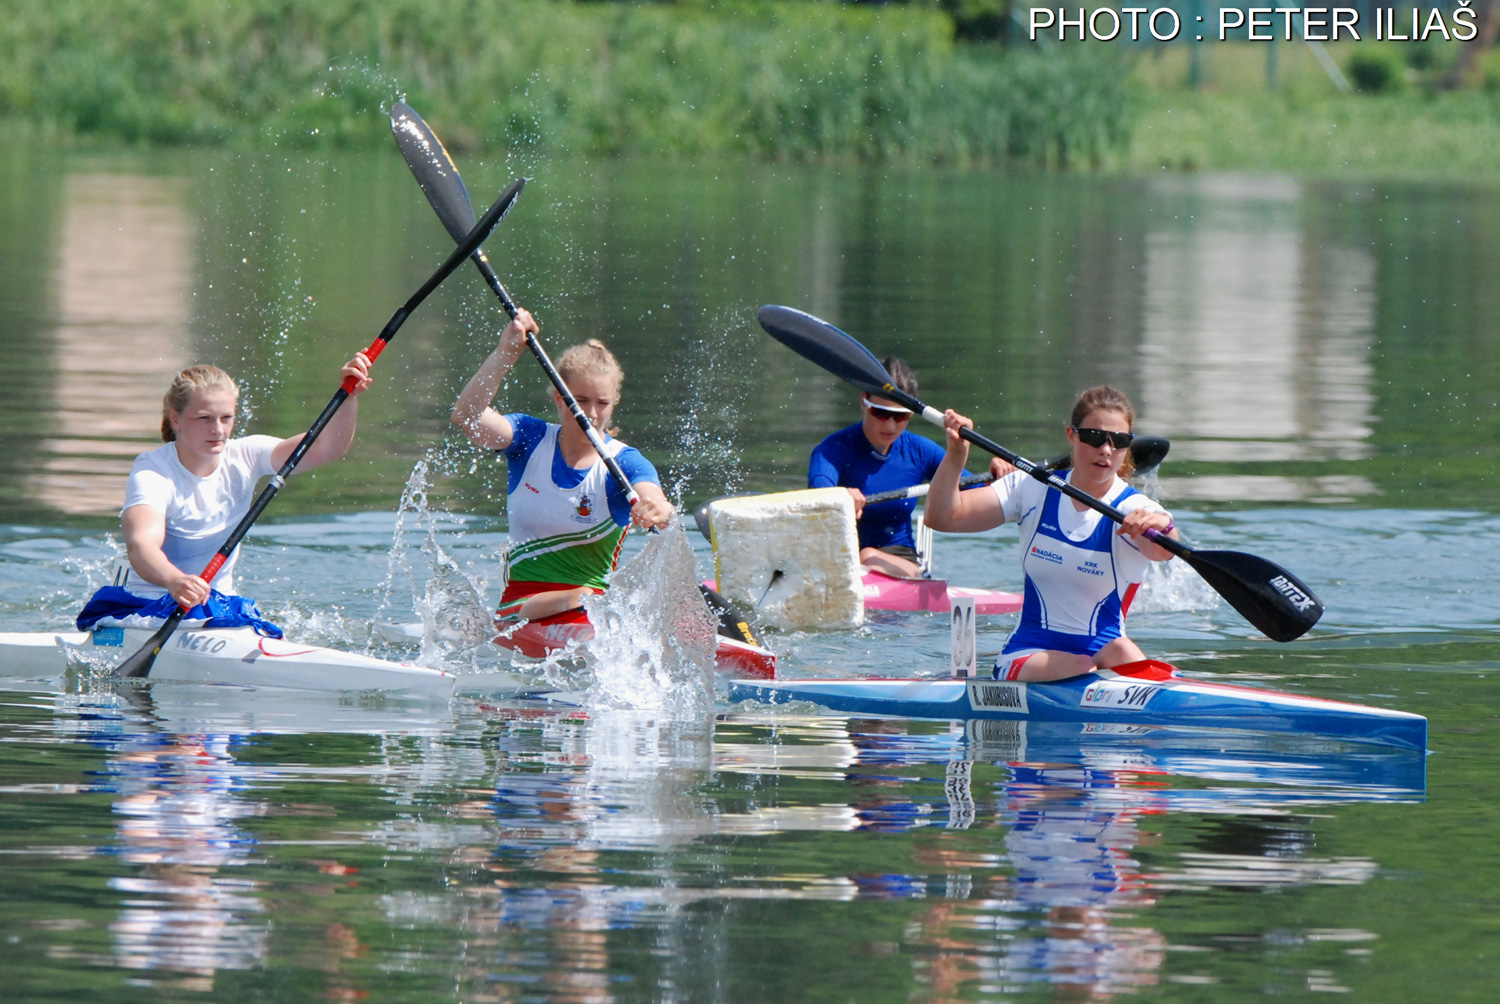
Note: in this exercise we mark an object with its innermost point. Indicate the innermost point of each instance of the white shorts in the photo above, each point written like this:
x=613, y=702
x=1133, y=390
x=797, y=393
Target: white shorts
x=1008, y=665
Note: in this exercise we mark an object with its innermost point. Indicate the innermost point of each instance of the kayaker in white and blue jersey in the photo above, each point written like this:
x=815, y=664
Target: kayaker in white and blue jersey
x=185, y=497
x=1081, y=572
x=567, y=516
x=880, y=454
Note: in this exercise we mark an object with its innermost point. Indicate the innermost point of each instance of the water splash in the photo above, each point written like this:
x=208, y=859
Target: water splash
x=655, y=639
x=91, y=666
x=96, y=567
x=1172, y=586
x=457, y=626
x=707, y=459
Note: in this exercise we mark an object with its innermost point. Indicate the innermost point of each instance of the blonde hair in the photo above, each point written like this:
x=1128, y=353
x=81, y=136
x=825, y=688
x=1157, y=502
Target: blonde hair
x=590, y=359
x=1106, y=398
x=193, y=380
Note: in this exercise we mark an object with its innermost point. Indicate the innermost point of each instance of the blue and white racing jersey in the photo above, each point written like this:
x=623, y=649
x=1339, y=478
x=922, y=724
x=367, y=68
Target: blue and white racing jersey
x=1080, y=573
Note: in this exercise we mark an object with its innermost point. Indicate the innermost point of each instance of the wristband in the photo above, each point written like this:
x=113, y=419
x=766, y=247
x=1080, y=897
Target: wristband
x=1171, y=525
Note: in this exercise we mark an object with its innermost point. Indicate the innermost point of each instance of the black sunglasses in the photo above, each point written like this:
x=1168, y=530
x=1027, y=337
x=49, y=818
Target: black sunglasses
x=1097, y=437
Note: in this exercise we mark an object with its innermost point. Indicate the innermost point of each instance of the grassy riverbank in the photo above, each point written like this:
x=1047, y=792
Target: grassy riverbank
x=776, y=80
x=1303, y=124
x=793, y=81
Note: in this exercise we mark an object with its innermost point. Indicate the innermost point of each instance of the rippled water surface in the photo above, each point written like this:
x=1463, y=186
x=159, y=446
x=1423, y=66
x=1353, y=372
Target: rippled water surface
x=1320, y=354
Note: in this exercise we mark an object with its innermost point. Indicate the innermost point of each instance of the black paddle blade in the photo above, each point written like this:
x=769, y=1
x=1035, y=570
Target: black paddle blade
x=1148, y=452
x=700, y=517
x=434, y=170
x=139, y=665
x=1268, y=596
x=732, y=623
x=820, y=342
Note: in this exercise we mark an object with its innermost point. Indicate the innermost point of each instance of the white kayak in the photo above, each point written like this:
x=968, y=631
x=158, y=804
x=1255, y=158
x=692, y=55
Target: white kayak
x=236, y=656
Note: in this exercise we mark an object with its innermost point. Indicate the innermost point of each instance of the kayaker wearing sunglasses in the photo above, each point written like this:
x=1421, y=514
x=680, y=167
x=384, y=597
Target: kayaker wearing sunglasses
x=1081, y=571
x=567, y=516
x=874, y=455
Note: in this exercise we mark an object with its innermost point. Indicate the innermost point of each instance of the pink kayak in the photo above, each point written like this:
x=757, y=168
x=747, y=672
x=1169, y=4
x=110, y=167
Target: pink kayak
x=888, y=592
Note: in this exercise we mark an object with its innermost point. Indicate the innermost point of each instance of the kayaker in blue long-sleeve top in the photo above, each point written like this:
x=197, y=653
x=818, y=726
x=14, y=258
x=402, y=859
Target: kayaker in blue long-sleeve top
x=879, y=454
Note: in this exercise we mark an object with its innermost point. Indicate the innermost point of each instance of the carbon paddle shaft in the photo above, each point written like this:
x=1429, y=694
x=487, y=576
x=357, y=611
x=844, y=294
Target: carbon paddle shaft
x=140, y=663
x=435, y=171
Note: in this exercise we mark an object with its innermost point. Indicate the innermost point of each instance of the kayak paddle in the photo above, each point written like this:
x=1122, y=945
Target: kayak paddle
x=1272, y=599
x=139, y=664
x=444, y=187
x=1147, y=451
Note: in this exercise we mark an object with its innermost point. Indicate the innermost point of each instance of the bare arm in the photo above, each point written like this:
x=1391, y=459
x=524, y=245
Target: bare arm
x=949, y=509
x=338, y=434
x=652, y=510
x=145, y=529
x=472, y=412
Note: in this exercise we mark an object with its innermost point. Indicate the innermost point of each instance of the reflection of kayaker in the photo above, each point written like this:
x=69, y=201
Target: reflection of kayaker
x=1069, y=834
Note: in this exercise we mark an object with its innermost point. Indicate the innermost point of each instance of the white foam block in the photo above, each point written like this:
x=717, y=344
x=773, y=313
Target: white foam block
x=810, y=537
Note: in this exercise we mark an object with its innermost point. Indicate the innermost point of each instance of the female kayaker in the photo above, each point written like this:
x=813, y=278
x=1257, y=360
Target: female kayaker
x=1081, y=572
x=878, y=454
x=567, y=515
x=185, y=497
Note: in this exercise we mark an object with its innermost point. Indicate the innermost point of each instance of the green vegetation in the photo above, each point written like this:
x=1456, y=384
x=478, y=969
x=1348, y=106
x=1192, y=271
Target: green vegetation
x=770, y=79
x=792, y=81
x=1397, y=121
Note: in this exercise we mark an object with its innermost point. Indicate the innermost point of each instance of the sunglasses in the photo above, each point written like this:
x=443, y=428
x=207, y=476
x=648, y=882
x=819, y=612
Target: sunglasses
x=885, y=414
x=1098, y=437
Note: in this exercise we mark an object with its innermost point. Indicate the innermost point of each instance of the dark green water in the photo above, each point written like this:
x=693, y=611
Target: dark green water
x=1297, y=341
x=1320, y=353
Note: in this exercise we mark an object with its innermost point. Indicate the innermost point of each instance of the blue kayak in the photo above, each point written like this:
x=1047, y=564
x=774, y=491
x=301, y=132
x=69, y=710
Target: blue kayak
x=1155, y=694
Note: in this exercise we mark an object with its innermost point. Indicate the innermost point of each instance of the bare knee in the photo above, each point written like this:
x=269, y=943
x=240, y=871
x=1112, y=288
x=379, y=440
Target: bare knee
x=1045, y=667
x=890, y=564
x=1118, y=652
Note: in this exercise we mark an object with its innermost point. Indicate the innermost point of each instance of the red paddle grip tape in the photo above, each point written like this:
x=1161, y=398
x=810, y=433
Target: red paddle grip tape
x=209, y=571
x=213, y=568
x=372, y=353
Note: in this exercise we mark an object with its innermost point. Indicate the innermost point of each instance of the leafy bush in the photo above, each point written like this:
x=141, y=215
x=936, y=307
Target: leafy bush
x=1377, y=69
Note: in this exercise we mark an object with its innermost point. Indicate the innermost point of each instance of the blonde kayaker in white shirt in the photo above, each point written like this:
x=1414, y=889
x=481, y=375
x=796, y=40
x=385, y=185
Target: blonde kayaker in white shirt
x=186, y=496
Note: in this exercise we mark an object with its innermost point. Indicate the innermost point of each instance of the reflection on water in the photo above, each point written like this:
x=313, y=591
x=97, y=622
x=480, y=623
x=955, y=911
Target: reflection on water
x=122, y=282
x=1257, y=342
x=1245, y=313
x=576, y=853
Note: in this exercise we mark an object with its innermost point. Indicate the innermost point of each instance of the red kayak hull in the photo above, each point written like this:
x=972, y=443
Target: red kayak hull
x=541, y=638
